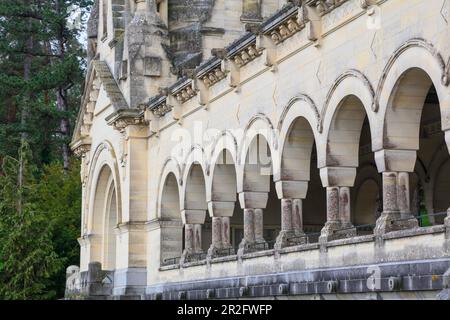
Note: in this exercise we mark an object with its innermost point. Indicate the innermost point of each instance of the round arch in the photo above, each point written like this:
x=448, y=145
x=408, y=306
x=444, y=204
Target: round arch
x=260, y=128
x=409, y=74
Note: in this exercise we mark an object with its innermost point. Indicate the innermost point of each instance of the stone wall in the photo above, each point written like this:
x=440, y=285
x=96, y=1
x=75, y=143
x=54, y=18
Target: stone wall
x=295, y=90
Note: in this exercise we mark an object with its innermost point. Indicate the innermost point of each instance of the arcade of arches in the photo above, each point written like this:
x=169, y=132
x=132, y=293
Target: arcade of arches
x=317, y=141
x=345, y=196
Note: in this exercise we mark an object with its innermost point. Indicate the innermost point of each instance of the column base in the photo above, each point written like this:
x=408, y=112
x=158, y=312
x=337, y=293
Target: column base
x=392, y=221
x=260, y=245
x=245, y=247
x=190, y=256
x=212, y=252
x=335, y=230
x=289, y=239
x=222, y=251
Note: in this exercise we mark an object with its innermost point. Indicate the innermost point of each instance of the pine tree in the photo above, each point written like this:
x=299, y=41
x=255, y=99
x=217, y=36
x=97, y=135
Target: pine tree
x=27, y=255
x=42, y=63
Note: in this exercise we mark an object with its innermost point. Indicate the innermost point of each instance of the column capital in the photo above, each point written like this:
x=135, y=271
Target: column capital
x=193, y=216
x=388, y=160
x=221, y=208
x=338, y=176
x=291, y=189
x=253, y=200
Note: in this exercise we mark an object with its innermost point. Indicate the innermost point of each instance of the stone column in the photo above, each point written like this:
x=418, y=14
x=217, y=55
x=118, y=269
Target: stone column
x=249, y=231
x=404, y=201
x=252, y=202
x=447, y=228
x=286, y=215
x=395, y=166
x=197, y=238
x=188, y=239
x=221, y=211
x=259, y=226
x=338, y=182
x=344, y=206
x=390, y=209
x=297, y=217
x=396, y=204
x=193, y=220
x=249, y=225
x=225, y=236
x=332, y=223
x=287, y=224
x=291, y=193
x=217, y=232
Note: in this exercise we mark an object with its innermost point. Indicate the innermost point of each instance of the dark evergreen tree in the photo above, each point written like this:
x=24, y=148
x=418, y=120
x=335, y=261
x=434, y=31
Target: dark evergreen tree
x=42, y=63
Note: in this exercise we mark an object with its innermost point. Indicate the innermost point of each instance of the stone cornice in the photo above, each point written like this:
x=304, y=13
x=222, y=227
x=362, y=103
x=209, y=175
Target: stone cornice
x=183, y=90
x=260, y=41
x=158, y=106
x=156, y=224
x=326, y=6
x=81, y=147
x=123, y=118
x=99, y=74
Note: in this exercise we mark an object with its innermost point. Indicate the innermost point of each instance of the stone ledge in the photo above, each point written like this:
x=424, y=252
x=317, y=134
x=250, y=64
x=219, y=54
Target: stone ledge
x=299, y=248
x=414, y=232
x=257, y=254
x=393, y=277
x=348, y=241
x=233, y=257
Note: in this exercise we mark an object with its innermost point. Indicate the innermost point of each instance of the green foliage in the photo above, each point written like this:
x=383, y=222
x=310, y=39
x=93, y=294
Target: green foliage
x=41, y=59
x=60, y=201
x=39, y=241
x=26, y=249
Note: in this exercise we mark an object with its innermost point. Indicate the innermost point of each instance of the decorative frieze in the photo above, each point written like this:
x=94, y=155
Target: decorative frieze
x=284, y=24
x=183, y=90
x=213, y=77
x=125, y=117
x=211, y=72
x=81, y=147
x=325, y=6
x=246, y=55
x=159, y=107
x=244, y=50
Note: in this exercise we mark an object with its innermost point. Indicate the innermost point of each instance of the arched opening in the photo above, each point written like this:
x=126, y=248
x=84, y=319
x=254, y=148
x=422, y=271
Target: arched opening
x=300, y=183
x=431, y=180
x=171, y=223
x=261, y=193
x=110, y=224
x=198, y=235
x=350, y=152
x=413, y=122
x=367, y=205
x=224, y=204
x=104, y=220
x=345, y=133
x=441, y=199
x=315, y=203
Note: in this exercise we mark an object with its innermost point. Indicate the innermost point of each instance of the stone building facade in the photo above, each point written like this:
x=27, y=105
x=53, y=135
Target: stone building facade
x=265, y=148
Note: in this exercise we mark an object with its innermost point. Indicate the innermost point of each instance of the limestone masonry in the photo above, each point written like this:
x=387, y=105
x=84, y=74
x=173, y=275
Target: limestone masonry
x=265, y=149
